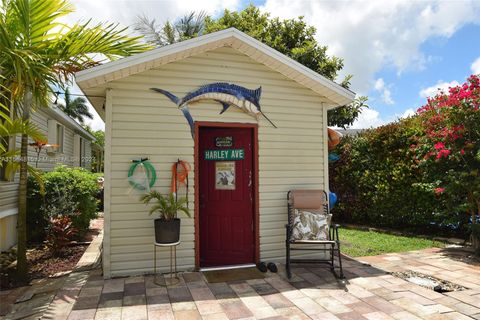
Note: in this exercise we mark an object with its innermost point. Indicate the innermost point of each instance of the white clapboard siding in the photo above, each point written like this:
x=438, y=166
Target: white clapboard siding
x=8, y=195
x=9, y=190
x=47, y=162
x=44, y=162
x=146, y=124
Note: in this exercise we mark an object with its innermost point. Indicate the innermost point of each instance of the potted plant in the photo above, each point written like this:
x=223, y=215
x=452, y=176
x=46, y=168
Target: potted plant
x=167, y=227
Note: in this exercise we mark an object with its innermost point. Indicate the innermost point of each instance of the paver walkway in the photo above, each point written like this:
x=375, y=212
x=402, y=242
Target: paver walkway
x=31, y=302
x=313, y=293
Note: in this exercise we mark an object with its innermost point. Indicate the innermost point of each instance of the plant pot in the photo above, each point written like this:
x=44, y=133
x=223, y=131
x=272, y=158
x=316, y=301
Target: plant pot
x=167, y=231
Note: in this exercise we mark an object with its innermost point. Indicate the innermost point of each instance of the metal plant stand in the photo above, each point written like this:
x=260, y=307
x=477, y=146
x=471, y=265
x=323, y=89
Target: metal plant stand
x=173, y=279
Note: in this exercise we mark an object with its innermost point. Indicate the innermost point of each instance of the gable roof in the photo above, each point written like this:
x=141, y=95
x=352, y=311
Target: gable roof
x=93, y=81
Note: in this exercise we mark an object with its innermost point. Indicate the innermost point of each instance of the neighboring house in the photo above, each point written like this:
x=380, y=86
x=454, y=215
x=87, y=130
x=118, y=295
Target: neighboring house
x=350, y=132
x=241, y=221
x=74, y=149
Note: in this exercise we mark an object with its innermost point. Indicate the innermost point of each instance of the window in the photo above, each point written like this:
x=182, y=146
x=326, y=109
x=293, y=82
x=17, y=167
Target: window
x=59, y=137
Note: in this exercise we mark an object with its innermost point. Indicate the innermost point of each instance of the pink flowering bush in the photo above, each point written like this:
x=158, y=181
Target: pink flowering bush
x=448, y=153
x=421, y=173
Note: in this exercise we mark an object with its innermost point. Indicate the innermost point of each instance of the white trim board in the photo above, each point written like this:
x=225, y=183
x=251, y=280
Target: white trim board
x=229, y=267
x=8, y=212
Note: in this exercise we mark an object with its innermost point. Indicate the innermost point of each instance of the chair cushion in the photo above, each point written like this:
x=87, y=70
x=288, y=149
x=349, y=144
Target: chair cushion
x=309, y=225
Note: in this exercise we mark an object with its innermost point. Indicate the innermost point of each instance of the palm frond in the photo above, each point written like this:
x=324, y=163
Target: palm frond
x=167, y=206
x=77, y=108
x=149, y=29
x=12, y=166
x=186, y=211
x=190, y=25
x=146, y=198
x=154, y=208
x=37, y=175
x=82, y=41
x=18, y=126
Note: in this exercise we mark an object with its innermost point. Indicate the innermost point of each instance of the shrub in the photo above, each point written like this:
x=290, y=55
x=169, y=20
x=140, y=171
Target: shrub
x=375, y=179
x=449, y=151
x=421, y=173
x=60, y=232
x=68, y=192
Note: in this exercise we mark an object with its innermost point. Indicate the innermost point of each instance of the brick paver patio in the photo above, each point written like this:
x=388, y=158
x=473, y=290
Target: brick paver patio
x=313, y=293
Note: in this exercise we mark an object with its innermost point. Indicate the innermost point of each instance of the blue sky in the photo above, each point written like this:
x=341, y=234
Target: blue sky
x=398, y=51
x=451, y=60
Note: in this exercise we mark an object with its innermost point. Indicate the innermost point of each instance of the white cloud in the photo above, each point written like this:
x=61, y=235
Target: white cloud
x=407, y=113
x=370, y=35
x=440, y=86
x=385, y=92
x=379, y=84
x=476, y=66
x=96, y=123
x=367, y=119
x=125, y=12
x=371, y=118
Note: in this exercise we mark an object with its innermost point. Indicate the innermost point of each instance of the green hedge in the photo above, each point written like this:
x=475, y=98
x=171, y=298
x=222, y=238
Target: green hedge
x=378, y=182
x=68, y=191
x=421, y=173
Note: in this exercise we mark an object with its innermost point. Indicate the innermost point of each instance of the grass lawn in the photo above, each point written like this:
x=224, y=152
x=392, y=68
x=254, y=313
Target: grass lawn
x=358, y=243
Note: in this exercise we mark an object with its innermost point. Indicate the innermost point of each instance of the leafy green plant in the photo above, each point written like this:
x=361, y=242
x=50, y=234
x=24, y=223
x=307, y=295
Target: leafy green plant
x=375, y=179
x=38, y=52
x=166, y=206
x=68, y=192
x=421, y=173
x=9, y=159
x=60, y=233
x=449, y=152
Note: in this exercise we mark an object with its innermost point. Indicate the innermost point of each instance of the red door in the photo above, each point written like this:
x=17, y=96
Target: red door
x=226, y=196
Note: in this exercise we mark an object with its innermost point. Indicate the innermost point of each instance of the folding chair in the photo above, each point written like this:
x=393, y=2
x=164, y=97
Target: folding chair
x=309, y=223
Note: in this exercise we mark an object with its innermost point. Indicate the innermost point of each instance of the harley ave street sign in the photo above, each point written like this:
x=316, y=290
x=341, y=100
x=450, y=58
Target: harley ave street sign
x=228, y=154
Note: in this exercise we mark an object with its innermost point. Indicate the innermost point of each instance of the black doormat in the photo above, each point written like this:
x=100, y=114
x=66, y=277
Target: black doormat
x=240, y=274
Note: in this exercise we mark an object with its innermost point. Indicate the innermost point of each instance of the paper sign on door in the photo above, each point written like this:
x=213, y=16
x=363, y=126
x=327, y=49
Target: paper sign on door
x=225, y=175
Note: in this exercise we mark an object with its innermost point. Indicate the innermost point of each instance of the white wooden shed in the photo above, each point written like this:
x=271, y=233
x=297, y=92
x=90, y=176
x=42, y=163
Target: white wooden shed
x=144, y=123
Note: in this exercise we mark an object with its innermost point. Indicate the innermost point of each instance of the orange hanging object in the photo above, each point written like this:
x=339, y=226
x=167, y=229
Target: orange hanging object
x=333, y=138
x=180, y=170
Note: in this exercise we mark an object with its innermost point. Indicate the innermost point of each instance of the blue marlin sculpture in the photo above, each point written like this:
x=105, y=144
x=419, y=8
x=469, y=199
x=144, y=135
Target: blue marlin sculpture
x=225, y=93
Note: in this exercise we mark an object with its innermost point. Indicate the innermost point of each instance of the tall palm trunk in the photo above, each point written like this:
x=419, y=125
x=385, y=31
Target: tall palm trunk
x=22, y=266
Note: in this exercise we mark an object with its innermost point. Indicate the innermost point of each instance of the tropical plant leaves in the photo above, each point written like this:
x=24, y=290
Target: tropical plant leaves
x=166, y=206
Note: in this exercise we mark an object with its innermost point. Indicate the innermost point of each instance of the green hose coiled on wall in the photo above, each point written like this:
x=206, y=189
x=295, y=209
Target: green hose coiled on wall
x=150, y=172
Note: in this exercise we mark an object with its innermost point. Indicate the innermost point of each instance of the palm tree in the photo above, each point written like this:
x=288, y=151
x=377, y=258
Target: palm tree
x=38, y=52
x=77, y=108
x=189, y=26
x=10, y=128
